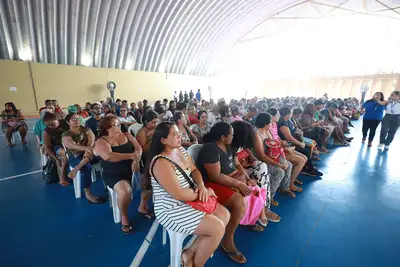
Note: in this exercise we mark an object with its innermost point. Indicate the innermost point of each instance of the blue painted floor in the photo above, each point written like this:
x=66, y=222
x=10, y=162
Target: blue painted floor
x=350, y=218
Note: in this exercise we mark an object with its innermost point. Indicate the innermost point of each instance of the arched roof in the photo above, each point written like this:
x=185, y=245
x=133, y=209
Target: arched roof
x=174, y=36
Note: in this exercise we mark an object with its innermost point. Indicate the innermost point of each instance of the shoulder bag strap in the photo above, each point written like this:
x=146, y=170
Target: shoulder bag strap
x=191, y=184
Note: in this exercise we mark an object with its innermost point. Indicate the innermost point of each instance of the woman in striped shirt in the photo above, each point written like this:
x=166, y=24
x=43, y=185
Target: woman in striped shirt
x=171, y=190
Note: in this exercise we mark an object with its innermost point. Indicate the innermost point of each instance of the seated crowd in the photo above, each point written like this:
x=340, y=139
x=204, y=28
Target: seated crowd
x=246, y=145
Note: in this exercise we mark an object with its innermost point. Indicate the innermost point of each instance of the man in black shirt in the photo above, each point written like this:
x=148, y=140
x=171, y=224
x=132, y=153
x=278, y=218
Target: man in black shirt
x=93, y=122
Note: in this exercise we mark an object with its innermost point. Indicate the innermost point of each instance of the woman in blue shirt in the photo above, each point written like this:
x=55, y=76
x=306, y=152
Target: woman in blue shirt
x=373, y=114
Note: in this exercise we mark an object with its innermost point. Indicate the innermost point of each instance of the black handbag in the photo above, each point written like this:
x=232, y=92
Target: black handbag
x=50, y=173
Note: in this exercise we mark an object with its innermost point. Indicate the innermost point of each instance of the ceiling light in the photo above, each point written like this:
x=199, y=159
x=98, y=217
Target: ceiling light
x=25, y=54
x=86, y=60
x=129, y=64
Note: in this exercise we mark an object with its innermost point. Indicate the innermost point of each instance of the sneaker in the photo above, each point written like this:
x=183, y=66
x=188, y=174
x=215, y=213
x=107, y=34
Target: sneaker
x=387, y=147
x=369, y=144
x=363, y=140
x=380, y=146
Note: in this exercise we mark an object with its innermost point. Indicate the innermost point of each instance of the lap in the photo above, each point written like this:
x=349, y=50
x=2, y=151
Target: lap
x=295, y=157
x=208, y=225
x=122, y=186
x=223, y=193
x=117, y=180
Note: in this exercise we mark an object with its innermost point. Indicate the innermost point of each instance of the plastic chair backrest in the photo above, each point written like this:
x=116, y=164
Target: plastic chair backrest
x=134, y=128
x=193, y=151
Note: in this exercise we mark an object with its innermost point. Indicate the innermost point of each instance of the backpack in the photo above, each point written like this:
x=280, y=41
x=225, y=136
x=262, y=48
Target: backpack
x=50, y=173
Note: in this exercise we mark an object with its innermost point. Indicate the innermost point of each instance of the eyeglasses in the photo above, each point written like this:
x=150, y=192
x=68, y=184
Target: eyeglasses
x=74, y=119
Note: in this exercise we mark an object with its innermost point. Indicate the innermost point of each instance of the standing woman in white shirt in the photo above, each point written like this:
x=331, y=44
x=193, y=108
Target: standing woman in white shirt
x=391, y=121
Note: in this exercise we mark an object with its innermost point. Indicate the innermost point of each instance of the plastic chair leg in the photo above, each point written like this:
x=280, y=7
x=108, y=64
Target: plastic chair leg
x=77, y=185
x=13, y=139
x=93, y=175
x=43, y=159
x=164, y=236
x=114, y=200
x=176, y=241
x=110, y=199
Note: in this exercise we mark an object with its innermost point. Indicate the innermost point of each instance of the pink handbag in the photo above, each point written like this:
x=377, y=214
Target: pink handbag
x=255, y=204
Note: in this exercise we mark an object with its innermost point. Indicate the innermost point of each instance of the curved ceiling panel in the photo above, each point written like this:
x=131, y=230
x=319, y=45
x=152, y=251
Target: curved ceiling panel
x=174, y=36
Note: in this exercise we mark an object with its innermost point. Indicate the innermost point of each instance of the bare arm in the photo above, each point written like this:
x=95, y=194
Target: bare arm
x=165, y=175
x=48, y=146
x=240, y=168
x=70, y=144
x=20, y=116
x=382, y=103
x=103, y=149
x=196, y=174
x=214, y=174
x=289, y=137
x=91, y=138
x=142, y=139
x=3, y=117
x=135, y=143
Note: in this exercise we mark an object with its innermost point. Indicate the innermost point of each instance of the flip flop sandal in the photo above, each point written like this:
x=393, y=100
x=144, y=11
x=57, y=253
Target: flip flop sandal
x=260, y=222
x=274, y=203
x=64, y=184
x=296, y=189
x=126, y=229
x=297, y=181
x=289, y=193
x=234, y=255
x=148, y=215
x=257, y=228
x=98, y=200
x=275, y=218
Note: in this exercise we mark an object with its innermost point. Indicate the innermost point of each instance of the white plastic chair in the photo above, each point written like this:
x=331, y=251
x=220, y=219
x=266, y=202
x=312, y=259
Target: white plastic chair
x=43, y=158
x=15, y=136
x=193, y=151
x=96, y=168
x=134, y=128
x=77, y=184
x=113, y=198
x=176, y=242
x=77, y=181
